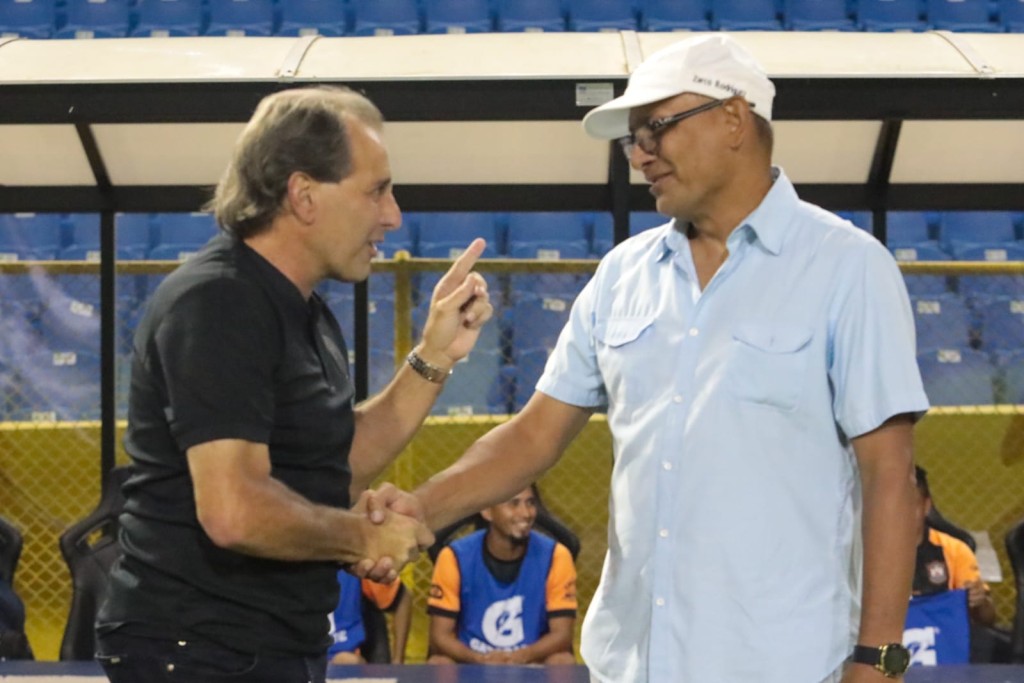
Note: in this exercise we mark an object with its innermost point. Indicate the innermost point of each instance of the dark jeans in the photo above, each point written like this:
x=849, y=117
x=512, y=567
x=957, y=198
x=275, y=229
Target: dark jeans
x=134, y=659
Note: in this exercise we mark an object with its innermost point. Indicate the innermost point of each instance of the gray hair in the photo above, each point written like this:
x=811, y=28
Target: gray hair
x=302, y=130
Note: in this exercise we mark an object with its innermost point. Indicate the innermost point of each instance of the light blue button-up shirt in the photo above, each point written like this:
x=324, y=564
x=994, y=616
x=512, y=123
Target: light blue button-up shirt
x=733, y=540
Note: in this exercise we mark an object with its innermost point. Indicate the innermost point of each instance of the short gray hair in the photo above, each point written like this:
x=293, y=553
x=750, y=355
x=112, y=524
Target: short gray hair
x=302, y=130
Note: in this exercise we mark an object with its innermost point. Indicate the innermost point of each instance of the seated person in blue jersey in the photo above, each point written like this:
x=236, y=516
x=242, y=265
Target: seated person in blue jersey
x=348, y=631
x=946, y=563
x=948, y=594
x=505, y=594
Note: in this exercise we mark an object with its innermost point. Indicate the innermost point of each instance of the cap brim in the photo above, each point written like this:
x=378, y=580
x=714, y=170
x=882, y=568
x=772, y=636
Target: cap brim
x=611, y=120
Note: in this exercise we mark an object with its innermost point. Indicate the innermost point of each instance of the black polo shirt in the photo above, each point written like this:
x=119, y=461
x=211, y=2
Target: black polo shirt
x=229, y=349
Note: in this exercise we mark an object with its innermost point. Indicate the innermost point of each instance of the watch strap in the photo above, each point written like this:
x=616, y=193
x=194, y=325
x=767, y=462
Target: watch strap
x=427, y=371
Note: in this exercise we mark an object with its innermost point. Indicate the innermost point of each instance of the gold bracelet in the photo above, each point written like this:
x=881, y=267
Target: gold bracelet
x=427, y=371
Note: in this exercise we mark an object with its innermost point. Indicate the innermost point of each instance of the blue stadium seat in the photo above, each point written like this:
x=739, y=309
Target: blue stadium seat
x=547, y=226
x=181, y=234
x=457, y=16
x=162, y=18
x=96, y=19
x=961, y=15
x=890, y=15
x=923, y=285
x=442, y=232
x=601, y=15
x=69, y=318
x=27, y=18
x=992, y=285
x=861, y=219
x=674, y=15
x=475, y=386
x=745, y=15
x=960, y=228
x=530, y=15
x=957, y=376
x=30, y=236
x=84, y=234
x=1002, y=322
x=241, y=18
x=134, y=235
x=381, y=322
x=817, y=15
x=536, y=321
x=942, y=321
x=1013, y=377
x=529, y=366
x=59, y=385
x=1011, y=15
x=645, y=220
x=385, y=17
x=907, y=228
x=312, y=17
x=405, y=238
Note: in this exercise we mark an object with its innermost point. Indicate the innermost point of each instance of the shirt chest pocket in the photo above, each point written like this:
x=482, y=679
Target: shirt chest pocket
x=769, y=363
x=623, y=349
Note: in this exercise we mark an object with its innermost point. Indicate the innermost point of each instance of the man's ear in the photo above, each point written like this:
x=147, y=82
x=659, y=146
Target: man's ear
x=301, y=197
x=738, y=119
x=486, y=514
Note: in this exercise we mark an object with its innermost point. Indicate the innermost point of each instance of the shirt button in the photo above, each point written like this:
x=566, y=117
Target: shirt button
x=694, y=332
x=677, y=399
x=660, y=602
x=663, y=533
x=666, y=465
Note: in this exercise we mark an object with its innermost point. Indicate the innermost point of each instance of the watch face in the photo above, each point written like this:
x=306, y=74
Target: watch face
x=895, y=658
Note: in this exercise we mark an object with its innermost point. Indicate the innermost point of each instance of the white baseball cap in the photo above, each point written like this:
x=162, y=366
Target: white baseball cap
x=715, y=66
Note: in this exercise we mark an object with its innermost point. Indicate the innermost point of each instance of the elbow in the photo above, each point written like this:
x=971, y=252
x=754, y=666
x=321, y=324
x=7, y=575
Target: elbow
x=224, y=528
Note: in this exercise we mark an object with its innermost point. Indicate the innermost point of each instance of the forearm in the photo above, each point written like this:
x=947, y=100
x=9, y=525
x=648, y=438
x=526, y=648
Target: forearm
x=387, y=422
x=400, y=623
x=503, y=462
x=552, y=642
x=890, y=536
x=270, y=520
x=449, y=645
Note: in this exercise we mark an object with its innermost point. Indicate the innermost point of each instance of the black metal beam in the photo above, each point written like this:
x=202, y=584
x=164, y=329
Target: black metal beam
x=502, y=100
x=880, y=174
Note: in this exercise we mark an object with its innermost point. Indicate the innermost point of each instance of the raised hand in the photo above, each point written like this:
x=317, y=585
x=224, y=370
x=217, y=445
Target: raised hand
x=460, y=305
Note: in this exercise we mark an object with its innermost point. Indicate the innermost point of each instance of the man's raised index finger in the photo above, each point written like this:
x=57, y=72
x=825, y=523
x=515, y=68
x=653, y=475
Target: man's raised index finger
x=467, y=259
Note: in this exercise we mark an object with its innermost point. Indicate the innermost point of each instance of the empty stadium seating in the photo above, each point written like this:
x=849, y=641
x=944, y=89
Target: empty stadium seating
x=957, y=376
x=601, y=15
x=674, y=15
x=942, y=321
x=962, y=229
x=162, y=18
x=530, y=15
x=30, y=236
x=457, y=16
x=27, y=18
x=241, y=18
x=385, y=17
x=181, y=234
x=890, y=15
x=1001, y=321
x=961, y=15
x=312, y=17
x=745, y=15
x=96, y=19
x=818, y=15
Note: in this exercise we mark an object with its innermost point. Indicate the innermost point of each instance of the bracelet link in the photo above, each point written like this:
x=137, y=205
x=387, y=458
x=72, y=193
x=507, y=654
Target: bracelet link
x=427, y=371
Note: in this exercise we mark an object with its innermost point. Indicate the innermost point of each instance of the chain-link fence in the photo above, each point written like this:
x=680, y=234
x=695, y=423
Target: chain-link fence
x=971, y=337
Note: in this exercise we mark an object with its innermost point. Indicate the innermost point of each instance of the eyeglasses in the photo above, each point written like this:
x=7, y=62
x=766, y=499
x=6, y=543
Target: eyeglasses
x=648, y=136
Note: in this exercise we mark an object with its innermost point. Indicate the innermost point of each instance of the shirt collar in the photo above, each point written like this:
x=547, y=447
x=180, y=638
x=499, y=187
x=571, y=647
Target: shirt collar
x=768, y=223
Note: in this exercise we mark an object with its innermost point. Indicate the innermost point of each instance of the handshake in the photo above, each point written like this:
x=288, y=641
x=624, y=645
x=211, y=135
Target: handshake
x=394, y=532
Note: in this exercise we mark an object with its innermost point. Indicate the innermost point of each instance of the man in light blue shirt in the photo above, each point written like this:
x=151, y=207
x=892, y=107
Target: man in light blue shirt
x=756, y=356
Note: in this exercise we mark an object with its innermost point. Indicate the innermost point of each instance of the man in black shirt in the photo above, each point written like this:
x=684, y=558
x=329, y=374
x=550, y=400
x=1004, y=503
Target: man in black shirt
x=246, y=445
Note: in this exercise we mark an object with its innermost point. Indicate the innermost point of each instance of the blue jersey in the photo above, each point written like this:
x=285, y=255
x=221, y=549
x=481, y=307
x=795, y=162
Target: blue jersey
x=938, y=629
x=347, y=631
x=502, y=616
